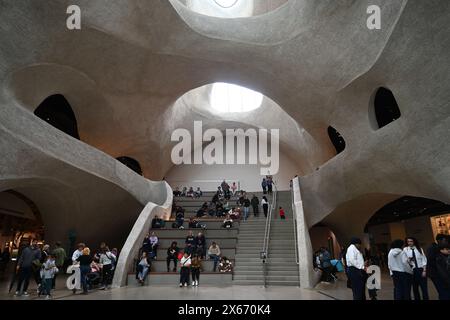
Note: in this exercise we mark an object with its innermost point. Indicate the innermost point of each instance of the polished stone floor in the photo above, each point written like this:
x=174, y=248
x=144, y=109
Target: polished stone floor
x=323, y=291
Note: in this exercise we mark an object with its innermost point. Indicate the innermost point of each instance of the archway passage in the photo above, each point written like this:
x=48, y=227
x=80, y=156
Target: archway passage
x=408, y=216
x=20, y=220
x=386, y=107
x=57, y=111
x=337, y=140
x=131, y=163
x=407, y=208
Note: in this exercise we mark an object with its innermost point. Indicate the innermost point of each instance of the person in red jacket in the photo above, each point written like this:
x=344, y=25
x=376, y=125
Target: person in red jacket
x=282, y=215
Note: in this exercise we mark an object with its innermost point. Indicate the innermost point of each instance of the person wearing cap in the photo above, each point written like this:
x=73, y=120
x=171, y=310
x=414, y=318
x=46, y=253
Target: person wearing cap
x=356, y=269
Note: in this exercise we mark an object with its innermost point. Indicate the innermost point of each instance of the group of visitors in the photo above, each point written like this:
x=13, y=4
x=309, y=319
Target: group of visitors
x=38, y=261
x=42, y=263
x=409, y=267
x=95, y=268
x=190, y=258
x=267, y=184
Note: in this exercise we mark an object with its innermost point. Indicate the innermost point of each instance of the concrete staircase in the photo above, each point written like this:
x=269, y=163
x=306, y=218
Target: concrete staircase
x=281, y=266
x=248, y=269
x=225, y=238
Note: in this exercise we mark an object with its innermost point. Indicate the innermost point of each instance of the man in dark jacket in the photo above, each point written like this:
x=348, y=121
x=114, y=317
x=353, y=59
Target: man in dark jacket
x=255, y=205
x=432, y=253
x=246, y=208
x=30, y=255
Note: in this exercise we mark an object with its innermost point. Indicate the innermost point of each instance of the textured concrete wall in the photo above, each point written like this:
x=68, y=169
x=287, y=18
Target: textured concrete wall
x=125, y=70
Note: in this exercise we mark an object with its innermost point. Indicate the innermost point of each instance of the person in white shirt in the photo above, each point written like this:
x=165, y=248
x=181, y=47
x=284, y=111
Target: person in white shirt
x=185, y=264
x=418, y=262
x=107, y=260
x=356, y=269
x=265, y=205
x=77, y=253
x=400, y=271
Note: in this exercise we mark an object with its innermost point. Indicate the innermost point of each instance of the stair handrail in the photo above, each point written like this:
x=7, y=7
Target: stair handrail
x=294, y=218
x=265, y=249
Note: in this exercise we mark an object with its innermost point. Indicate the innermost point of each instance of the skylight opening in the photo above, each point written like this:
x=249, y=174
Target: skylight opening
x=229, y=98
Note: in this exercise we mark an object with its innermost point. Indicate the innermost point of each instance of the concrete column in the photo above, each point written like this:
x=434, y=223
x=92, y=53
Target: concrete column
x=307, y=278
x=136, y=237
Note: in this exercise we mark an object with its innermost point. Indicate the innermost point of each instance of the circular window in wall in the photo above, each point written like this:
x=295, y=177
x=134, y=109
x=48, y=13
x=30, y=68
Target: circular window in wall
x=227, y=98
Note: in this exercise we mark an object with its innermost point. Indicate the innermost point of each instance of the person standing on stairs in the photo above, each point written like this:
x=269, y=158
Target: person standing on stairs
x=282, y=214
x=264, y=185
x=269, y=184
x=265, y=205
x=255, y=205
x=233, y=188
x=246, y=208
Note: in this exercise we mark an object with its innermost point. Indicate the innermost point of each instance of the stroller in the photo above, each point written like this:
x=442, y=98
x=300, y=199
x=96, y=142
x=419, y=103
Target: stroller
x=336, y=266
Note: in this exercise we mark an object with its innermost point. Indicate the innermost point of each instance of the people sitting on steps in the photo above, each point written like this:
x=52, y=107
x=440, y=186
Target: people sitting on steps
x=225, y=265
x=177, y=192
x=154, y=244
x=214, y=254
x=172, y=255
x=235, y=213
x=143, y=268
x=157, y=223
x=198, y=193
x=228, y=222
x=191, y=192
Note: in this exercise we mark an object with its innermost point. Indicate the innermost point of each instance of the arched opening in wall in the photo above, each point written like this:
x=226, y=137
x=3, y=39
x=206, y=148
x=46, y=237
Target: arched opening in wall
x=384, y=109
x=323, y=237
x=57, y=111
x=407, y=216
x=20, y=221
x=131, y=163
x=336, y=139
